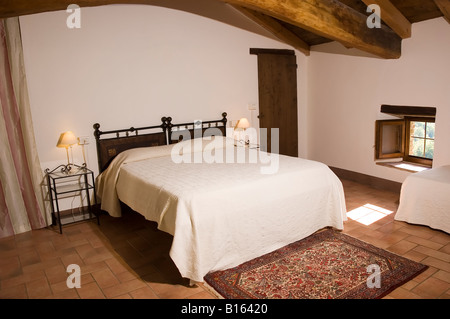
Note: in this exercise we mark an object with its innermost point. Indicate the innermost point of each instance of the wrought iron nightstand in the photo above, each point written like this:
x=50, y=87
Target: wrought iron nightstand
x=66, y=181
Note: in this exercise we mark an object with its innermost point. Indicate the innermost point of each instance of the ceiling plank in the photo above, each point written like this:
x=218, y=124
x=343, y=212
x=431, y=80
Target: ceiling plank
x=392, y=17
x=331, y=19
x=444, y=6
x=274, y=27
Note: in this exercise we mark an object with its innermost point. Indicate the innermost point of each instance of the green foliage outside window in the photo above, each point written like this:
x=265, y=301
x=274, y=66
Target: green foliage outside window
x=422, y=139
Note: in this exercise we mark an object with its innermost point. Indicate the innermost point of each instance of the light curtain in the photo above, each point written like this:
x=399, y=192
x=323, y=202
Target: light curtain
x=22, y=204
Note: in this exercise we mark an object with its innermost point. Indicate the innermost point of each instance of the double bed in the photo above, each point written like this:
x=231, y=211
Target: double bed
x=223, y=204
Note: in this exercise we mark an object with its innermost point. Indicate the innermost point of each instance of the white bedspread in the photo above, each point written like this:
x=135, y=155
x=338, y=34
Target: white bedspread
x=425, y=199
x=223, y=214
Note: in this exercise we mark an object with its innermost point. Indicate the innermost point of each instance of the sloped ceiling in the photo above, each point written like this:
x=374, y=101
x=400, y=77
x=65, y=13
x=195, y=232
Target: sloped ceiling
x=299, y=23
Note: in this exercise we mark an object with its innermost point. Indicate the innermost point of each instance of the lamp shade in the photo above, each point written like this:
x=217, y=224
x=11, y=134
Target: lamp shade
x=67, y=139
x=243, y=123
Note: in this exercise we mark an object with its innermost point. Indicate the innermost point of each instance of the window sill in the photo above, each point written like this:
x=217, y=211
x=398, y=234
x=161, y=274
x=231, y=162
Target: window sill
x=405, y=166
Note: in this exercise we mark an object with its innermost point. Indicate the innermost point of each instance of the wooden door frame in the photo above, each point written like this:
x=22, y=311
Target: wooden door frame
x=290, y=149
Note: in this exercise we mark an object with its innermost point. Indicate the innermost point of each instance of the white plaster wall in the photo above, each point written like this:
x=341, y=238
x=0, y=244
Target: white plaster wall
x=345, y=94
x=129, y=65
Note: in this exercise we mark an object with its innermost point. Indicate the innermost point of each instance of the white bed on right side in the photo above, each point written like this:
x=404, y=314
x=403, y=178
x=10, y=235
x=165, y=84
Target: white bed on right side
x=425, y=199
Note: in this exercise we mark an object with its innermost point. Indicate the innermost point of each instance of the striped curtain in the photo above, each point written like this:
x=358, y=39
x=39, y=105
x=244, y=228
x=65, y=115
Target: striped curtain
x=22, y=205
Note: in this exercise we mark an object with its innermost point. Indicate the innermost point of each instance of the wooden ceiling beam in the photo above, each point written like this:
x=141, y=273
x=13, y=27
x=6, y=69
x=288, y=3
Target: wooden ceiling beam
x=444, y=6
x=328, y=18
x=14, y=8
x=277, y=29
x=392, y=17
x=333, y=20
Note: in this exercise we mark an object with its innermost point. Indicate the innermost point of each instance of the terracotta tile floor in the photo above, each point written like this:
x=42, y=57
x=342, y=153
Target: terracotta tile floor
x=128, y=257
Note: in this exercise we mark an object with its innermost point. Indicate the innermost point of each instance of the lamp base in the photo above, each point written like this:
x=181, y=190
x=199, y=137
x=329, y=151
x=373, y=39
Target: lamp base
x=240, y=143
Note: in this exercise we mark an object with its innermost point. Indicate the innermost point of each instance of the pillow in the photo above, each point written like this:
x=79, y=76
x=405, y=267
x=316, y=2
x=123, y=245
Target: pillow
x=200, y=144
x=183, y=151
x=142, y=153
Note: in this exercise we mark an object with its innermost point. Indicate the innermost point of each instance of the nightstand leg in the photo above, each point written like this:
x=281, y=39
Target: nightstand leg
x=95, y=200
x=57, y=206
x=91, y=209
x=50, y=195
x=59, y=216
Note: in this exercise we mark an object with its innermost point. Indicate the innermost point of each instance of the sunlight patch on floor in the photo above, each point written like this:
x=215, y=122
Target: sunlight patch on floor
x=410, y=167
x=368, y=214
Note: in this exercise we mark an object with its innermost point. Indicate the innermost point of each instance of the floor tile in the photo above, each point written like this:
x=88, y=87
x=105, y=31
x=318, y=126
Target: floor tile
x=128, y=257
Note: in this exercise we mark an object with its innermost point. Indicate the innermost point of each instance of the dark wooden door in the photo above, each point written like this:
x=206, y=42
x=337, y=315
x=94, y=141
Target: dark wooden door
x=277, y=86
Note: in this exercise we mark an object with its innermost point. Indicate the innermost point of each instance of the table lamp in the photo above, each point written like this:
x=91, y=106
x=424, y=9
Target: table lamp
x=242, y=125
x=66, y=140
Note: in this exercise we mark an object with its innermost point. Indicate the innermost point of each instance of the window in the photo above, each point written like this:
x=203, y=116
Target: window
x=419, y=140
x=411, y=139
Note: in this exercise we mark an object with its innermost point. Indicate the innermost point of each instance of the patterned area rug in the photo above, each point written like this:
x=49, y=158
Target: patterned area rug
x=326, y=265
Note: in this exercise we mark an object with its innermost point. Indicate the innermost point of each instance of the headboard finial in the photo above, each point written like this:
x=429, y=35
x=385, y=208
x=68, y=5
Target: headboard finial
x=224, y=120
x=97, y=131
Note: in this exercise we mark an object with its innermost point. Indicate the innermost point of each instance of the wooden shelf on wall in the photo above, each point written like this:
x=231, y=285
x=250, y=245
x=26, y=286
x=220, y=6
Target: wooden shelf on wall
x=402, y=111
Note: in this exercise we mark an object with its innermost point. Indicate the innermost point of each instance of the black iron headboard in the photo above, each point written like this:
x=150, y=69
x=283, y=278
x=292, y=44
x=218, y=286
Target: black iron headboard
x=121, y=140
x=111, y=143
x=176, y=132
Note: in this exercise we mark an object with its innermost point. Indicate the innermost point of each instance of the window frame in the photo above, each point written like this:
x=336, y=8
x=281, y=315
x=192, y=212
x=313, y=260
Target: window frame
x=405, y=140
x=410, y=158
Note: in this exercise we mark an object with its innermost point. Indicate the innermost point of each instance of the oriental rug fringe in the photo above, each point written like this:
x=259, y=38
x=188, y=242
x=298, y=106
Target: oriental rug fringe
x=325, y=265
